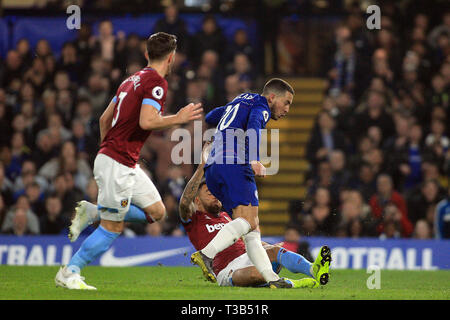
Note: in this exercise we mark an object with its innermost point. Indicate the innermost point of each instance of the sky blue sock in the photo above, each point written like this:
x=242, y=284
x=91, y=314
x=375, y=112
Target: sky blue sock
x=294, y=262
x=135, y=214
x=92, y=247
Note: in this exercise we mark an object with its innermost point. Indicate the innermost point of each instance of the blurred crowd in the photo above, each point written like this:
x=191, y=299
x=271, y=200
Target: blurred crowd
x=379, y=151
x=50, y=103
x=380, y=148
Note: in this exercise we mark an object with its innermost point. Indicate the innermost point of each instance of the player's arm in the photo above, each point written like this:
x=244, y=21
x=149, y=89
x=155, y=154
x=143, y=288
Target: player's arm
x=151, y=119
x=257, y=122
x=187, y=207
x=105, y=121
x=213, y=117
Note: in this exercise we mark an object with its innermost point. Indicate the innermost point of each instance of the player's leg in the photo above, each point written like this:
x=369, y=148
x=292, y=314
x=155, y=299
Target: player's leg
x=292, y=261
x=296, y=263
x=247, y=277
x=216, y=181
x=146, y=207
x=115, y=183
x=250, y=277
x=253, y=243
x=219, y=184
x=242, y=273
x=146, y=200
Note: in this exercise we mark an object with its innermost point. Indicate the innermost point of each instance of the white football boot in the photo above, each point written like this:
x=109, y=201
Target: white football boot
x=84, y=216
x=70, y=280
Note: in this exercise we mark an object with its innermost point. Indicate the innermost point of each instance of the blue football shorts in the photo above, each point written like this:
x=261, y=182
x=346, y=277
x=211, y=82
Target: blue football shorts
x=232, y=184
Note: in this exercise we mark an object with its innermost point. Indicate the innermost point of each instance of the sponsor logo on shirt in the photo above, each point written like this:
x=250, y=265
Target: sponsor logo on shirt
x=214, y=227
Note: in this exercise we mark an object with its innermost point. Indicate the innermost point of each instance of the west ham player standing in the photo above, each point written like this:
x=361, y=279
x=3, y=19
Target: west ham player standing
x=124, y=127
x=230, y=174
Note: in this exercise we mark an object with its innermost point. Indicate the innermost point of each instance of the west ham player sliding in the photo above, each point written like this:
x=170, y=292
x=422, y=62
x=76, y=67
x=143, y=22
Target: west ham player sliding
x=231, y=170
x=202, y=218
x=124, y=188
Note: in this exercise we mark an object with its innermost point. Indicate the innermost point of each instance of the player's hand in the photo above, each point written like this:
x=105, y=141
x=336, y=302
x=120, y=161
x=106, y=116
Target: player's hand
x=258, y=169
x=205, y=152
x=190, y=112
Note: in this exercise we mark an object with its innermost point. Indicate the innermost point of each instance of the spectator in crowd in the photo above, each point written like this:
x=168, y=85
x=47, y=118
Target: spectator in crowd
x=240, y=44
x=341, y=176
x=86, y=145
x=105, y=43
x=2, y=210
x=43, y=48
x=390, y=226
x=385, y=196
x=442, y=218
x=27, y=176
x=293, y=242
x=210, y=37
x=410, y=158
x=128, y=52
x=20, y=225
x=53, y=221
x=68, y=161
x=23, y=48
x=324, y=139
x=422, y=230
x=374, y=115
x=322, y=212
x=35, y=197
x=356, y=219
x=13, y=68
x=243, y=69
x=96, y=92
x=421, y=203
x=46, y=149
x=6, y=186
x=31, y=221
x=172, y=23
x=365, y=181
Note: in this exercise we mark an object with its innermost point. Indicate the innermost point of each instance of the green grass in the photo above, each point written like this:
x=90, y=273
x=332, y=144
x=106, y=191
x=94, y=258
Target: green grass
x=186, y=283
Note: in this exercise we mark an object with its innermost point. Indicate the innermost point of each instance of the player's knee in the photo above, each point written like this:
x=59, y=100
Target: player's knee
x=112, y=226
x=157, y=211
x=253, y=223
x=256, y=278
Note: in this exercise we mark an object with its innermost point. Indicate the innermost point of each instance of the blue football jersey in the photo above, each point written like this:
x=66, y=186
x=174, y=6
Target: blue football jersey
x=238, y=129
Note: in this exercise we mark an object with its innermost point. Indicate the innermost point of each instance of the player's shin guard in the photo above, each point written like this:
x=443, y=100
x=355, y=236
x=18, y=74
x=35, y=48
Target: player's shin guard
x=94, y=245
x=228, y=235
x=294, y=262
x=258, y=256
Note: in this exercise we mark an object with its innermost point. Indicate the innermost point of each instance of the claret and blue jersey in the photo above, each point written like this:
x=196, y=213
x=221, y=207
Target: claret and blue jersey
x=228, y=173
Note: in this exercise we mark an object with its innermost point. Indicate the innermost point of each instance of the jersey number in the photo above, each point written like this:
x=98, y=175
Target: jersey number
x=121, y=96
x=226, y=118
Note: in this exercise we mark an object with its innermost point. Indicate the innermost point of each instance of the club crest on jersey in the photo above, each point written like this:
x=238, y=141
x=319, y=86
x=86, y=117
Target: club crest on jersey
x=265, y=115
x=158, y=92
x=124, y=203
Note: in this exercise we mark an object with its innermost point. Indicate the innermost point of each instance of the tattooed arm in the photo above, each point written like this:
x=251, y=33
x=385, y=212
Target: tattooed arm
x=187, y=207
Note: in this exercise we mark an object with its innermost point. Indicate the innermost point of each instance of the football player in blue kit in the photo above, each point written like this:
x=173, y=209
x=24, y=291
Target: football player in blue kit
x=230, y=172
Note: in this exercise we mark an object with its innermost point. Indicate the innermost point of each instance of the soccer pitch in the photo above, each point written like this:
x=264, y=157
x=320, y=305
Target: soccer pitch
x=186, y=283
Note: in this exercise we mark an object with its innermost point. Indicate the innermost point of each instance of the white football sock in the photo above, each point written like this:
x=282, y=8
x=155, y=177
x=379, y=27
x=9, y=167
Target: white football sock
x=258, y=256
x=228, y=235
